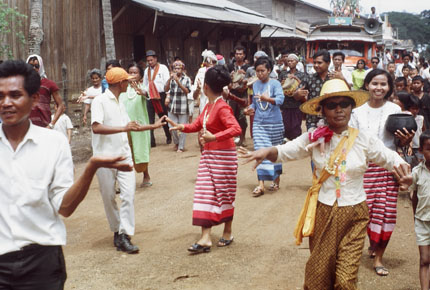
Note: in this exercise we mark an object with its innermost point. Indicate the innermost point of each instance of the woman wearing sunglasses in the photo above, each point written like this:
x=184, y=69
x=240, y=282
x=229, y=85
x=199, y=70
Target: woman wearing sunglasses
x=379, y=183
x=41, y=113
x=358, y=75
x=335, y=214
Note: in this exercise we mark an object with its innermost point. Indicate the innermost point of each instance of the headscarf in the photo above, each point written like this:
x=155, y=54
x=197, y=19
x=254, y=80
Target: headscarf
x=260, y=53
x=209, y=55
x=293, y=56
x=178, y=63
x=41, y=67
x=221, y=60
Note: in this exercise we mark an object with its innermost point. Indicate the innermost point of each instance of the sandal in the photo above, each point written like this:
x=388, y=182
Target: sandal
x=274, y=187
x=258, y=191
x=381, y=270
x=224, y=243
x=197, y=249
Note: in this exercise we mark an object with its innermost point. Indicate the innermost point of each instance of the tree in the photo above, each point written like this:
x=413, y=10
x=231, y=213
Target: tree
x=108, y=29
x=35, y=33
x=11, y=24
x=411, y=26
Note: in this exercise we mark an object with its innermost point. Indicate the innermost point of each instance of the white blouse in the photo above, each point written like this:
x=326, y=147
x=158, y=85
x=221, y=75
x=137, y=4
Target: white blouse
x=366, y=147
x=372, y=121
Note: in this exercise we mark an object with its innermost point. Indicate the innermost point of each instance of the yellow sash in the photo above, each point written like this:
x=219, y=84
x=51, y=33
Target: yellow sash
x=305, y=224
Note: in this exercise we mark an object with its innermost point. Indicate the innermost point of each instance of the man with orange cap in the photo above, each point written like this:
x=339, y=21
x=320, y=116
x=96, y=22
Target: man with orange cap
x=110, y=124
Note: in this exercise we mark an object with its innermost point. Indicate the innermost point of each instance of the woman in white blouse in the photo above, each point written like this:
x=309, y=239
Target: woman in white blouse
x=380, y=186
x=337, y=238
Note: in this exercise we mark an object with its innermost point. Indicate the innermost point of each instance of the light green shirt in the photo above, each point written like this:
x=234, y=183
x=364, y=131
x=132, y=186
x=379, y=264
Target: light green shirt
x=358, y=79
x=421, y=183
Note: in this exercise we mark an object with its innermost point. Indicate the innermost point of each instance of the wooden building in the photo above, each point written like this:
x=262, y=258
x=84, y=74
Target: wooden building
x=74, y=36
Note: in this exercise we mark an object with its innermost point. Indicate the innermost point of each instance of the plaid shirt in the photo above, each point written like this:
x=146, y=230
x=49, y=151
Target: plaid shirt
x=178, y=99
x=313, y=84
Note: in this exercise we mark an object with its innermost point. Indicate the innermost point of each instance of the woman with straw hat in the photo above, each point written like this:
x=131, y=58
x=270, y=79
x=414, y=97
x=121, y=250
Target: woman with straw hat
x=335, y=213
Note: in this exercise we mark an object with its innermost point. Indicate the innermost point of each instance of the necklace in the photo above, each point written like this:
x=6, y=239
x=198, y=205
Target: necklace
x=206, y=116
x=264, y=108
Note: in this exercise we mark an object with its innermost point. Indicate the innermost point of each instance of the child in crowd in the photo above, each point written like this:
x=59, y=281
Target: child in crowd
x=63, y=125
x=419, y=183
x=401, y=84
x=391, y=68
x=90, y=93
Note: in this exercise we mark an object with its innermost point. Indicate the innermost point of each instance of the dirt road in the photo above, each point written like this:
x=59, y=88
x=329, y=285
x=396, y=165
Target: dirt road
x=263, y=255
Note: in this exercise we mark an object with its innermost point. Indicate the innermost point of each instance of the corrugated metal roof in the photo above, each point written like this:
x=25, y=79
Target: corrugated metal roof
x=270, y=32
x=212, y=11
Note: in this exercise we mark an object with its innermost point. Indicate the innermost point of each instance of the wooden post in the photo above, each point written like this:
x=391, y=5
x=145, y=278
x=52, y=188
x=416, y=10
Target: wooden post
x=64, y=81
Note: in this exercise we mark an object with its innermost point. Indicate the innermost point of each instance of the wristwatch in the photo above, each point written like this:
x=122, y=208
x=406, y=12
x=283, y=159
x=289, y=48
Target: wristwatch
x=50, y=125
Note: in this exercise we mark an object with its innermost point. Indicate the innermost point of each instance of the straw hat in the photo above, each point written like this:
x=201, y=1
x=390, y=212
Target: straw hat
x=333, y=88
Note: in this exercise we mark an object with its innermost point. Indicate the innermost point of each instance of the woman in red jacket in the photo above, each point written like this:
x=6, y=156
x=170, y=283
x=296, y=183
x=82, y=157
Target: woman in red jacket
x=215, y=188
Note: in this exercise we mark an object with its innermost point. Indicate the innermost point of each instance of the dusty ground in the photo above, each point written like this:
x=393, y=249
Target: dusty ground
x=263, y=255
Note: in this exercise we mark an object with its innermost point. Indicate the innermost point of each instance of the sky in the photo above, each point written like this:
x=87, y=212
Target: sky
x=412, y=6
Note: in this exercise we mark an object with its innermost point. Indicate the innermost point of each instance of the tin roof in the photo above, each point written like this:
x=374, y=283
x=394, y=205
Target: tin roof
x=218, y=11
x=270, y=32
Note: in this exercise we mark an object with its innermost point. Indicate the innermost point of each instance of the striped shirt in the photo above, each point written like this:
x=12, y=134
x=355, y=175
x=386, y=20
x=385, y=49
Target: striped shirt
x=179, y=103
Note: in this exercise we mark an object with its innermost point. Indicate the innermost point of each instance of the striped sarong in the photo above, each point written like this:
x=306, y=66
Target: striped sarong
x=381, y=190
x=268, y=135
x=215, y=189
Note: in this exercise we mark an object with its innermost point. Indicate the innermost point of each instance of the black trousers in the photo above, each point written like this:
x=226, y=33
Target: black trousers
x=34, y=267
x=151, y=115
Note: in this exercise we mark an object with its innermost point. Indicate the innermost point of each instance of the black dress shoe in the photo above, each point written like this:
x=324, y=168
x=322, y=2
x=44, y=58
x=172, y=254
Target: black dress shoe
x=115, y=239
x=169, y=140
x=125, y=245
x=153, y=145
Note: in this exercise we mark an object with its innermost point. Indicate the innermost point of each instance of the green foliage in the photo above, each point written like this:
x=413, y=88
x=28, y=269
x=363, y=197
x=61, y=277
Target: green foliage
x=412, y=26
x=11, y=22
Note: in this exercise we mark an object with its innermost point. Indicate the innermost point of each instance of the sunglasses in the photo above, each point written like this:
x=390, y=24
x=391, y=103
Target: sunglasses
x=333, y=105
x=35, y=65
x=375, y=62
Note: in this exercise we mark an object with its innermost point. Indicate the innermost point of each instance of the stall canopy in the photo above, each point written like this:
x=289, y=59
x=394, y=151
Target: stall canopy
x=217, y=11
x=270, y=32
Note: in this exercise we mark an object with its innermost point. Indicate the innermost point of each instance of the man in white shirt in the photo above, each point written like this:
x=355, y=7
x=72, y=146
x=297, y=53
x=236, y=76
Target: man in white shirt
x=406, y=61
x=338, y=71
x=159, y=74
x=110, y=124
x=36, y=186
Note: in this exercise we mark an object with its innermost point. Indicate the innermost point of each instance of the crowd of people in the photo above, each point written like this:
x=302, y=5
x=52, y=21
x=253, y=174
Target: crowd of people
x=358, y=166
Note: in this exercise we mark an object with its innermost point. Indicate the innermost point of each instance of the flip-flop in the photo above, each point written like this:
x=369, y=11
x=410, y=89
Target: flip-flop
x=274, y=187
x=146, y=184
x=224, y=243
x=380, y=270
x=258, y=191
x=197, y=249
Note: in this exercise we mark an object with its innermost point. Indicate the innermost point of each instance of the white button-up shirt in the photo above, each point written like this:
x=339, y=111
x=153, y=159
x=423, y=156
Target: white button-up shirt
x=366, y=147
x=421, y=183
x=107, y=110
x=160, y=80
x=33, y=181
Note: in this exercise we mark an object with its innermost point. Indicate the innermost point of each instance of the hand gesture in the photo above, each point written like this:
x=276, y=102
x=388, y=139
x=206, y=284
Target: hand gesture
x=136, y=87
x=167, y=101
x=249, y=156
x=82, y=97
x=132, y=126
x=207, y=137
x=199, y=85
x=160, y=122
x=111, y=162
x=301, y=94
x=403, y=175
x=174, y=126
x=249, y=111
x=264, y=97
x=84, y=120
